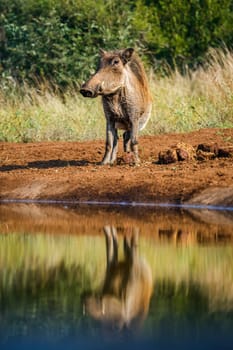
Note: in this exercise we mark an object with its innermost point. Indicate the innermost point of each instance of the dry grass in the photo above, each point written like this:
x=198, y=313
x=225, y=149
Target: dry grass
x=40, y=117
x=201, y=98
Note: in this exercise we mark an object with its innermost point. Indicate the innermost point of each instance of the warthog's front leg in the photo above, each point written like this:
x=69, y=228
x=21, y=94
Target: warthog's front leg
x=111, y=144
x=134, y=141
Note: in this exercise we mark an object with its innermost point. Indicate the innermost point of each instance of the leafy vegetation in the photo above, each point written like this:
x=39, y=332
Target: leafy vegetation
x=58, y=40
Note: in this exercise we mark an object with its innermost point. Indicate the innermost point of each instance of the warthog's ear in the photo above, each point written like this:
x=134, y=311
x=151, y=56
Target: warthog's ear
x=127, y=54
x=102, y=52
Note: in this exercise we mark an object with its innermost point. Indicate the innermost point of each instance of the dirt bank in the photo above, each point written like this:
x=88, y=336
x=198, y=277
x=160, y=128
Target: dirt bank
x=70, y=170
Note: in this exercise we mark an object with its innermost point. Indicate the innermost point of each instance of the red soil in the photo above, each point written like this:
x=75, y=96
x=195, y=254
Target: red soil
x=71, y=171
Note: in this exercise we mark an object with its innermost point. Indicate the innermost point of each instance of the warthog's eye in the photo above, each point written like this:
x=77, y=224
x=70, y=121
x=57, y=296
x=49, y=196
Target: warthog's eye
x=115, y=61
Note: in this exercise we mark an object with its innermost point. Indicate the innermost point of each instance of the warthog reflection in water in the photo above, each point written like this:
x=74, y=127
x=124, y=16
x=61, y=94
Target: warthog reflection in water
x=124, y=300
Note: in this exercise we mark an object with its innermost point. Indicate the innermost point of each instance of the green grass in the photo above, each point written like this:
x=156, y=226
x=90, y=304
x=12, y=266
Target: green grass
x=181, y=103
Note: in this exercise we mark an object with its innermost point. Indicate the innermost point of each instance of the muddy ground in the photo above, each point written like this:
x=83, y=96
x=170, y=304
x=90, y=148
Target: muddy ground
x=71, y=171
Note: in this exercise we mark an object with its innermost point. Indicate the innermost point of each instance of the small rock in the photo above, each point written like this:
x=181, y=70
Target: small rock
x=182, y=154
x=226, y=152
x=167, y=157
x=202, y=155
x=209, y=148
x=185, y=151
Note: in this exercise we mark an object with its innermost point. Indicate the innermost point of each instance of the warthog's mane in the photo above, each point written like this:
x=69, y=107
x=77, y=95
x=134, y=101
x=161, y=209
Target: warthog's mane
x=137, y=68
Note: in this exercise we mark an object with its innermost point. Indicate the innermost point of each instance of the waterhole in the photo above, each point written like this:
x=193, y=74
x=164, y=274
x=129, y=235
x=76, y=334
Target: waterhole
x=99, y=277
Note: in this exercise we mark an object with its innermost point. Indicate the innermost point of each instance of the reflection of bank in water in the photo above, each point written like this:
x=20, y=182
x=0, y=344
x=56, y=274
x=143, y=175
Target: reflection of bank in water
x=123, y=303
x=187, y=226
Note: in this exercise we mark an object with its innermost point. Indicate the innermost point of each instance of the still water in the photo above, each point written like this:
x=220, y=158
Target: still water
x=109, y=278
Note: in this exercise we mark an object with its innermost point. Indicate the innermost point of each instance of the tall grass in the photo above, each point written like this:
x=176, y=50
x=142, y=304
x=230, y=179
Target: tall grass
x=33, y=115
x=197, y=99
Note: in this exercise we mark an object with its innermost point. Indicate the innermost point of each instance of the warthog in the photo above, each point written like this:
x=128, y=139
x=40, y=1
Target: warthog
x=121, y=81
x=123, y=302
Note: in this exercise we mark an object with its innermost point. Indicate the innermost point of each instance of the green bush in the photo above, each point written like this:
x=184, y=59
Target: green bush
x=58, y=40
x=181, y=31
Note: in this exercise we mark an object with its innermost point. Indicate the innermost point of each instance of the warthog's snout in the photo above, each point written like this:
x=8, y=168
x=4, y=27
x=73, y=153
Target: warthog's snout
x=88, y=91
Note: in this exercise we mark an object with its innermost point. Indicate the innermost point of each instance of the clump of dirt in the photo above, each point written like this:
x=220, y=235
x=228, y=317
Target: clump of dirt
x=71, y=170
x=183, y=151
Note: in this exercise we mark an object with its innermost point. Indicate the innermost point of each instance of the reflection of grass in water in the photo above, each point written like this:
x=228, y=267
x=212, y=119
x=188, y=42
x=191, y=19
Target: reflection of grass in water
x=207, y=266
x=25, y=259
x=43, y=253
x=42, y=280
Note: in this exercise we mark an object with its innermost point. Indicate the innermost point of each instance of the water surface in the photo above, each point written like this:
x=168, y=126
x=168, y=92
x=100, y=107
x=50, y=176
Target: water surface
x=53, y=271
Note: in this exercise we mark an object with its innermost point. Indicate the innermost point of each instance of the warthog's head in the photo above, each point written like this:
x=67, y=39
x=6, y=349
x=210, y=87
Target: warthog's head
x=110, y=75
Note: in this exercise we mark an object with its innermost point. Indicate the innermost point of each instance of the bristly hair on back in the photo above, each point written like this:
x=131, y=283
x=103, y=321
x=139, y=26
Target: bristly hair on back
x=137, y=68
